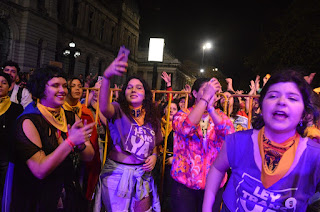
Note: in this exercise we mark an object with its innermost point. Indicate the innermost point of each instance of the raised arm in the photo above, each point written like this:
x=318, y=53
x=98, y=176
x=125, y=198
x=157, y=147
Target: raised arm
x=167, y=78
x=215, y=176
x=207, y=102
x=116, y=68
x=252, y=92
x=40, y=164
x=229, y=84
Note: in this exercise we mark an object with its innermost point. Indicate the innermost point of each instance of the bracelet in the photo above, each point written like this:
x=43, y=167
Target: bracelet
x=210, y=110
x=81, y=147
x=156, y=154
x=205, y=100
x=70, y=143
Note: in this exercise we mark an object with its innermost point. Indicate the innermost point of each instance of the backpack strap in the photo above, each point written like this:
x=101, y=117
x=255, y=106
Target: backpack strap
x=19, y=95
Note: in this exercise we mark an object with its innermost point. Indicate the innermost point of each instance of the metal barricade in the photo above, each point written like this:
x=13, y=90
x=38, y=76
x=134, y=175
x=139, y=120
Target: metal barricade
x=154, y=92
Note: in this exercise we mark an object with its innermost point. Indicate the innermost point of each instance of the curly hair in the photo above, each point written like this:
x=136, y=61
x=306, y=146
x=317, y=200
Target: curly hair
x=11, y=63
x=40, y=77
x=152, y=113
x=310, y=114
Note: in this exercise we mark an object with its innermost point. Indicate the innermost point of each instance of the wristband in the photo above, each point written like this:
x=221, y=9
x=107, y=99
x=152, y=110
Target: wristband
x=155, y=154
x=210, y=110
x=70, y=143
x=207, y=103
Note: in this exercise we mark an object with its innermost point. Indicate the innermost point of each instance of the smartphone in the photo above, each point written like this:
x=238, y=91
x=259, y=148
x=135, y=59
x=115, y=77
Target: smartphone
x=125, y=51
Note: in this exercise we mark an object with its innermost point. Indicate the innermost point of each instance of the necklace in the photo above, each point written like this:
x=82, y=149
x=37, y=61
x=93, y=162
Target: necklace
x=136, y=112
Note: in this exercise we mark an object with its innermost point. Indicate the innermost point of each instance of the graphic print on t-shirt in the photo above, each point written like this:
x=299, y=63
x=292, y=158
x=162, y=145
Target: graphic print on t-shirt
x=254, y=197
x=139, y=141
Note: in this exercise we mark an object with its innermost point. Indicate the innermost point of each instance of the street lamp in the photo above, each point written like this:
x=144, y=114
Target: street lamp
x=155, y=54
x=205, y=47
x=201, y=72
x=72, y=52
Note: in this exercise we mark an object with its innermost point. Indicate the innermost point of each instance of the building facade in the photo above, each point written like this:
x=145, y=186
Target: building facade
x=37, y=32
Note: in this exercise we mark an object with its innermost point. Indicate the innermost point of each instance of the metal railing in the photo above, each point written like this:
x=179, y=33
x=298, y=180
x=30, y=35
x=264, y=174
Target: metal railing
x=170, y=93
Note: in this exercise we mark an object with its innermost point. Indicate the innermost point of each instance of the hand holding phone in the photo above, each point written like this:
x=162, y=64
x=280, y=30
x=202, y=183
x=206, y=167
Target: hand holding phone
x=125, y=51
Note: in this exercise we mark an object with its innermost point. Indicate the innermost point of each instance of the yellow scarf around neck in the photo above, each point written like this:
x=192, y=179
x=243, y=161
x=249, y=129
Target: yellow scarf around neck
x=4, y=104
x=56, y=117
x=163, y=125
x=77, y=109
x=276, y=158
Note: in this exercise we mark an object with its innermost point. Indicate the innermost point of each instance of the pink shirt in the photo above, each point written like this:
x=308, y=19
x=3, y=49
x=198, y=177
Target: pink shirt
x=192, y=155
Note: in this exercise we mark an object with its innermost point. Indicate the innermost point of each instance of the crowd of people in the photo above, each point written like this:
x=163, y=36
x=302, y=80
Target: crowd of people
x=51, y=155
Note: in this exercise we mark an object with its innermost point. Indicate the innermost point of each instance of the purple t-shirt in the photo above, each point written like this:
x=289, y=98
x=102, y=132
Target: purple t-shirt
x=245, y=191
x=126, y=133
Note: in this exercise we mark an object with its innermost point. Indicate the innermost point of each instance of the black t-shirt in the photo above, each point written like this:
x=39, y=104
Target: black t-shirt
x=32, y=194
x=7, y=130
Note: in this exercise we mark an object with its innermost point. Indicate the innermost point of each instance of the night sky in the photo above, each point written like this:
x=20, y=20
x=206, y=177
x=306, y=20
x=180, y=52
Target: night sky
x=233, y=27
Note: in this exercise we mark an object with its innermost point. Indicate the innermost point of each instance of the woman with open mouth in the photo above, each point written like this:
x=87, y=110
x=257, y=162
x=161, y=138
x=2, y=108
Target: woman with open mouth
x=274, y=167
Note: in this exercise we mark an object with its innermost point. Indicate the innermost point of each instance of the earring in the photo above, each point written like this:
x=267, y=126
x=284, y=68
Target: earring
x=300, y=123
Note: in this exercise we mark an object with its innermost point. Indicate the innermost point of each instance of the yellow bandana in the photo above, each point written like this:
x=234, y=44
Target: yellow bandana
x=317, y=90
x=138, y=114
x=77, y=109
x=163, y=125
x=56, y=117
x=312, y=132
x=4, y=104
x=276, y=158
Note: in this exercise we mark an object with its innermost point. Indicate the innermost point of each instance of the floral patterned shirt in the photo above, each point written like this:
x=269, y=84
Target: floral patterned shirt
x=193, y=153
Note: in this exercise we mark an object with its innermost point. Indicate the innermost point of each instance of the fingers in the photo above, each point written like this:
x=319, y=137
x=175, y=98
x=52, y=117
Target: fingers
x=88, y=127
x=148, y=166
x=77, y=124
x=117, y=67
x=120, y=57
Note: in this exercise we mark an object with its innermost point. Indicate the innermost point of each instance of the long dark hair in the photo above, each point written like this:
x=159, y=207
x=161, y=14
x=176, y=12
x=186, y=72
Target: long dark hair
x=174, y=101
x=235, y=106
x=310, y=114
x=70, y=80
x=195, y=87
x=152, y=113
